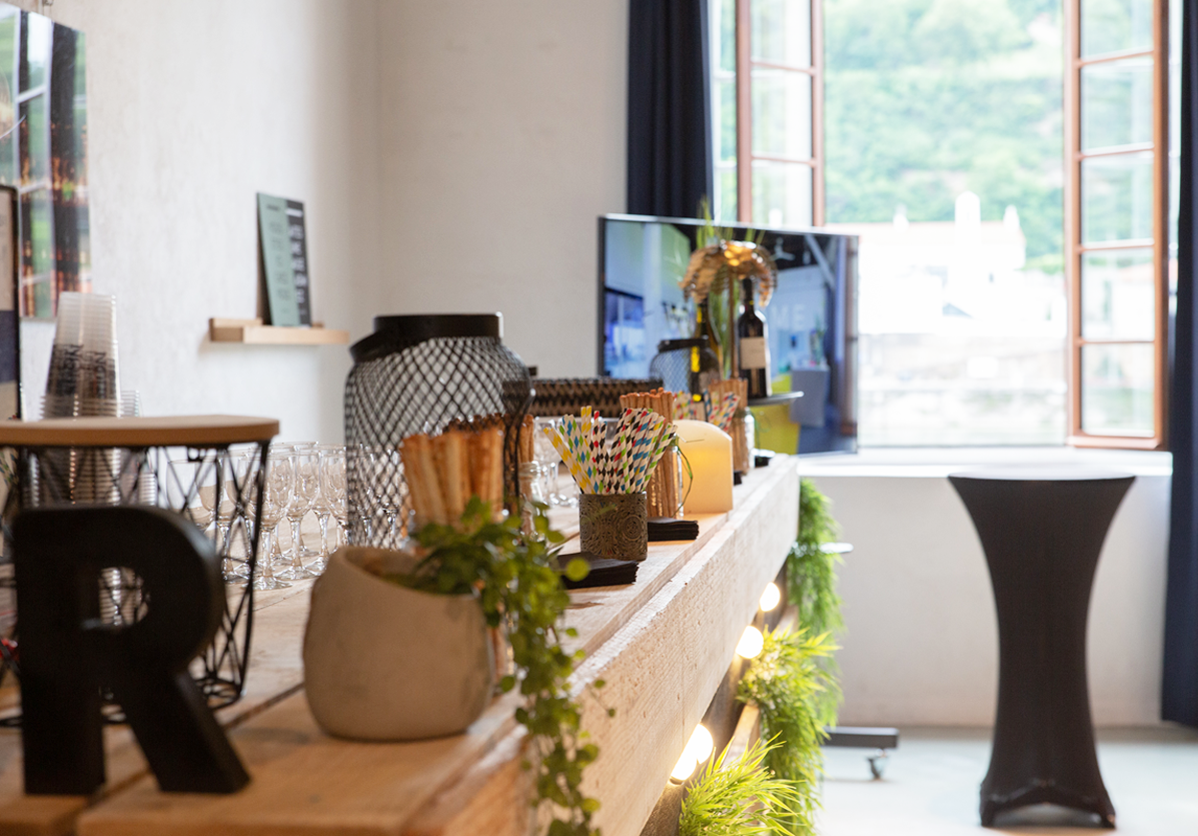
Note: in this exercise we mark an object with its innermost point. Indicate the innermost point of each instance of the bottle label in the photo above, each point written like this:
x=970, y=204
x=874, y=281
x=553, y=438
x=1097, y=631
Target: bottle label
x=752, y=352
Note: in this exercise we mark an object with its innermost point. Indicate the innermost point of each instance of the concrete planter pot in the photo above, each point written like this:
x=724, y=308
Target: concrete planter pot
x=382, y=662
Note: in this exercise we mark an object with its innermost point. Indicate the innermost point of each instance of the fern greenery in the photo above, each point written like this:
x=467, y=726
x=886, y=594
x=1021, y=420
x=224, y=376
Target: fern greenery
x=797, y=698
x=740, y=798
x=810, y=573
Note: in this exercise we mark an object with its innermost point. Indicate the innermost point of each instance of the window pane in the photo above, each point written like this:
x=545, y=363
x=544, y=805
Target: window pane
x=8, y=97
x=1118, y=295
x=781, y=31
x=723, y=18
x=1117, y=197
x=725, y=194
x=35, y=210
x=37, y=36
x=1115, y=25
x=781, y=194
x=782, y=113
x=1117, y=103
x=725, y=119
x=1117, y=383
x=35, y=150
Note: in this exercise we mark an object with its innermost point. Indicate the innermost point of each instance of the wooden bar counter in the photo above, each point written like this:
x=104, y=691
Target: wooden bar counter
x=662, y=644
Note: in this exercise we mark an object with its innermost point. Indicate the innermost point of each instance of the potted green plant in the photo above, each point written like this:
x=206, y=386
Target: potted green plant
x=461, y=579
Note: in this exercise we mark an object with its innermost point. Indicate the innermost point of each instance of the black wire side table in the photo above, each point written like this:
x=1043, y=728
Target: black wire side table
x=1042, y=530
x=187, y=464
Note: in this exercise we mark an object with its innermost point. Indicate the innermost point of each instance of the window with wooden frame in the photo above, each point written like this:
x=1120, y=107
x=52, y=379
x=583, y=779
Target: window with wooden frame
x=767, y=103
x=1117, y=220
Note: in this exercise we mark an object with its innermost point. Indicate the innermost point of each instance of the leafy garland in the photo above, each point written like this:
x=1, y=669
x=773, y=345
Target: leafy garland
x=810, y=572
x=797, y=698
x=518, y=586
x=740, y=799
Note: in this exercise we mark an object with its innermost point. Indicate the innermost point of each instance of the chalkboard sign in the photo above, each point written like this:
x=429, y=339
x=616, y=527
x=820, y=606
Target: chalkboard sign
x=297, y=232
x=281, y=233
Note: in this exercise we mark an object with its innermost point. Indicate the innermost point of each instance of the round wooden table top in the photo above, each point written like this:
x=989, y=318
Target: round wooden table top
x=164, y=431
x=1039, y=473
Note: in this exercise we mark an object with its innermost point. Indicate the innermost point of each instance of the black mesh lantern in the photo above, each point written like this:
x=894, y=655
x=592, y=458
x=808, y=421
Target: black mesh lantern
x=417, y=374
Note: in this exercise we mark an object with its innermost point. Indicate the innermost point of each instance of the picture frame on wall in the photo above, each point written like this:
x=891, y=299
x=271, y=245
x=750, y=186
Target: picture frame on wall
x=43, y=155
x=283, y=247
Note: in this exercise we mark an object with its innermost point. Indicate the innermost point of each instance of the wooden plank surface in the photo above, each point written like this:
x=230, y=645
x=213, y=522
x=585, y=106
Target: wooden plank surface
x=275, y=670
x=162, y=431
x=663, y=644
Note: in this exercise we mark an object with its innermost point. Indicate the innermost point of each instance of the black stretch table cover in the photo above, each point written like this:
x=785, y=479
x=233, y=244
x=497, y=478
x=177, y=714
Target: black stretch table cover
x=1042, y=531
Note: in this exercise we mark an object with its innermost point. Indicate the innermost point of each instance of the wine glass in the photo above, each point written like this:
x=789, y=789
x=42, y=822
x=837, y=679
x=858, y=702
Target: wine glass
x=305, y=468
x=333, y=487
x=547, y=458
x=276, y=496
x=320, y=505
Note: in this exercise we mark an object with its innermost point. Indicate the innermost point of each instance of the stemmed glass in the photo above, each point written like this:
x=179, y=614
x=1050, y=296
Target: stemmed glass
x=320, y=506
x=547, y=459
x=333, y=486
x=305, y=468
x=276, y=496
x=237, y=469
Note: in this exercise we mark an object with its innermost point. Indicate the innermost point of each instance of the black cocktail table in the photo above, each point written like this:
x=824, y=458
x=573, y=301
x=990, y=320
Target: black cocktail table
x=1042, y=530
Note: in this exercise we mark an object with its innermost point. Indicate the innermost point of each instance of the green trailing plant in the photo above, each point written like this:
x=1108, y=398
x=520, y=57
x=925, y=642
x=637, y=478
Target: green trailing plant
x=811, y=572
x=797, y=698
x=739, y=798
x=518, y=586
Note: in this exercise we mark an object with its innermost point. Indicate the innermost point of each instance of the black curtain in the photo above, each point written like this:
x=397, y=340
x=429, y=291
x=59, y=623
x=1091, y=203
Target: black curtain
x=1179, y=693
x=669, y=130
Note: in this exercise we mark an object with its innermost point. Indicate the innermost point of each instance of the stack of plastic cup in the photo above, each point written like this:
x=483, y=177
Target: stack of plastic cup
x=83, y=382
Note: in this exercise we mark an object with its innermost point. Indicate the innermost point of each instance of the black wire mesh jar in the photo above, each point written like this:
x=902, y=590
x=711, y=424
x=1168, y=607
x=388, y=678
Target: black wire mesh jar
x=417, y=374
x=687, y=365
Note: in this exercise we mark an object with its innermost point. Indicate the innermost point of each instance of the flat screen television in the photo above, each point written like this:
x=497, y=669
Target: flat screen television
x=812, y=316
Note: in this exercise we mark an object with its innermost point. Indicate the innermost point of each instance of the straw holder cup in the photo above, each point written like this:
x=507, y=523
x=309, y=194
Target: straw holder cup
x=614, y=525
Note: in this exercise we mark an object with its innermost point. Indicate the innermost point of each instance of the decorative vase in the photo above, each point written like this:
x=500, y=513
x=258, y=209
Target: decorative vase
x=614, y=525
x=383, y=662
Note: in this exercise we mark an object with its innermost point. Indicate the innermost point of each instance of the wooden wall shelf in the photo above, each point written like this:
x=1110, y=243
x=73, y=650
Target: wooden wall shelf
x=253, y=332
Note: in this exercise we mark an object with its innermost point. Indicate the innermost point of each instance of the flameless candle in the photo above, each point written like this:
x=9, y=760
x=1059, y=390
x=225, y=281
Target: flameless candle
x=708, y=450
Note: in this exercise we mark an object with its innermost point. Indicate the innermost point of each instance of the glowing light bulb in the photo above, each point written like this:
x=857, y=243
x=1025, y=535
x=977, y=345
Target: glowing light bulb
x=771, y=597
x=751, y=642
x=700, y=744
x=685, y=766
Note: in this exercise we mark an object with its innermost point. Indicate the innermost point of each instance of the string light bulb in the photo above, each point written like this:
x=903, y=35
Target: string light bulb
x=771, y=597
x=685, y=766
x=751, y=642
x=701, y=744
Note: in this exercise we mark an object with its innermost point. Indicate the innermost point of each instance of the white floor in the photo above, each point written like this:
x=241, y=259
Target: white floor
x=930, y=787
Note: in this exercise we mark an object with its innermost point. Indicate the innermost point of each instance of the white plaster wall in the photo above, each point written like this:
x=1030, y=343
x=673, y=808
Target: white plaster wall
x=502, y=137
x=922, y=645
x=193, y=107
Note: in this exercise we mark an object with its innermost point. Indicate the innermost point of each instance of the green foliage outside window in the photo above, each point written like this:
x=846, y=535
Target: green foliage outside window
x=927, y=98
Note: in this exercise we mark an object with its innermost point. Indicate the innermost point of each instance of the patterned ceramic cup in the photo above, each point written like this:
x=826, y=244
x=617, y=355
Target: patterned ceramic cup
x=614, y=525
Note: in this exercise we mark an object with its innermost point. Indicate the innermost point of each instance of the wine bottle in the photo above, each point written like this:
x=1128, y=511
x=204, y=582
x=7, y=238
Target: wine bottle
x=704, y=367
x=754, y=356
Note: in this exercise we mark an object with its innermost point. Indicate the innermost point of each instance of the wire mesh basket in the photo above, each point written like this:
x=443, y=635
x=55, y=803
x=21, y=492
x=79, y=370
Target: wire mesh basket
x=686, y=365
x=567, y=395
x=419, y=374
x=207, y=470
